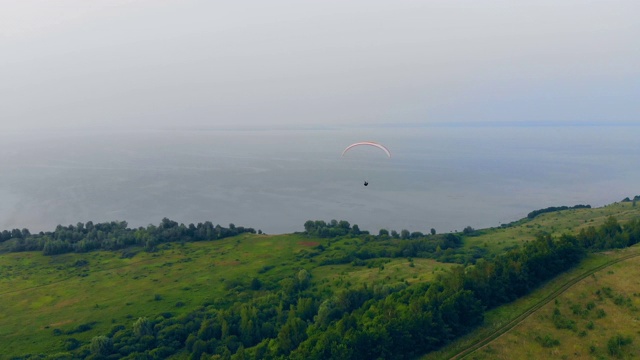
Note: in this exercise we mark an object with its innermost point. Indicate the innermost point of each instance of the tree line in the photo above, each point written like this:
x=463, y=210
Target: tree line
x=535, y=213
x=392, y=244
x=335, y=228
x=114, y=235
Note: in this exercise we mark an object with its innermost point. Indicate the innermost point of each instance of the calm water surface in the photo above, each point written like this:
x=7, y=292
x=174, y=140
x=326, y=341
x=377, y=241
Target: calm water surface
x=440, y=177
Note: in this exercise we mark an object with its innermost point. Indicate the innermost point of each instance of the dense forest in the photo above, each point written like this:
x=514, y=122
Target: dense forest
x=292, y=319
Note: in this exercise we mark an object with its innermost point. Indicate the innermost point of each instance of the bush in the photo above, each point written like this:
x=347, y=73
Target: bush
x=562, y=322
x=547, y=341
x=256, y=284
x=70, y=344
x=101, y=345
x=615, y=344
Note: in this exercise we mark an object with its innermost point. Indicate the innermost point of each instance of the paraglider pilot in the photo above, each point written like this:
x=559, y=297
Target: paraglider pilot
x=366, y=183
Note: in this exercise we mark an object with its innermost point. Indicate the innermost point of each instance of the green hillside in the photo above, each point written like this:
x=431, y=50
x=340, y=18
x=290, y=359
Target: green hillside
x=554, y=223
x=43, y=293
x=293, y=295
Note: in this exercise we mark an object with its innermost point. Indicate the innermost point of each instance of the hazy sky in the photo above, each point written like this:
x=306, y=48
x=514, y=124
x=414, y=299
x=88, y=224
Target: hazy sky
x=166, y=63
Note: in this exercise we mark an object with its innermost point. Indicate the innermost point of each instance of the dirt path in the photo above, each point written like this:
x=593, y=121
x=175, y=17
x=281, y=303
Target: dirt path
x=511, y=324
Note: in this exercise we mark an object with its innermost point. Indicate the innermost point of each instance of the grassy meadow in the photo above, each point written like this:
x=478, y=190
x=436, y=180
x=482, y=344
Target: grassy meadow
x=556, y=223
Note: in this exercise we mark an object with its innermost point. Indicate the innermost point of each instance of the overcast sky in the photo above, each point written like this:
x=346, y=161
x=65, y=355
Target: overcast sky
x=175, y=63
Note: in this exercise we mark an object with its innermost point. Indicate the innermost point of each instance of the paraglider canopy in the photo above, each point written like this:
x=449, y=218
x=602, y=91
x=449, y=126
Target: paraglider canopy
x=367, y=143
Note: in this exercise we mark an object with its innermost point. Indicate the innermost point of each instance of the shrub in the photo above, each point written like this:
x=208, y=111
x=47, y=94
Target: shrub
x=615, y=344
x=547, y=341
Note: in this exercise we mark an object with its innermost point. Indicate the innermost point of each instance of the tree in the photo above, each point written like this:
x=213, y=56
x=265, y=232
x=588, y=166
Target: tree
x=256, y=284
x=240, y=354
x=292, y=334
x=142, y=327
x=101, y=345
x=304, y=278
x=611, y=226
x=249, y=333
x=433, y=231
x=309, y=226
x=199, y=347
x=305, y=309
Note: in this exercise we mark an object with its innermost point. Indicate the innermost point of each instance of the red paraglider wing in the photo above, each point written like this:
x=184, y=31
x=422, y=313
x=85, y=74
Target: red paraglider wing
x=368, y=143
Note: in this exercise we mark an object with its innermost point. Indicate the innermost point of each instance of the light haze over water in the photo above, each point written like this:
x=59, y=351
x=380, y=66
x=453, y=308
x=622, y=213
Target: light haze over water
x=442, y=177
x=126, y=110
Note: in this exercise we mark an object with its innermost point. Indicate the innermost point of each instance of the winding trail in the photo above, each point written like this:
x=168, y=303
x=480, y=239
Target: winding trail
x=520, y=318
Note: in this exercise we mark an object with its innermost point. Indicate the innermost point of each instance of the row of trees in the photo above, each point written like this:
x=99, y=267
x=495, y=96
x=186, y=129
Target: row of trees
x=335, y=228
x=611, y=235
x=116, y=235
x=13, y=234
x=535, y=213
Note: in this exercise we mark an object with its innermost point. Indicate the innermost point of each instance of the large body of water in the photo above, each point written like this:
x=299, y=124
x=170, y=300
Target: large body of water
x=438, y=177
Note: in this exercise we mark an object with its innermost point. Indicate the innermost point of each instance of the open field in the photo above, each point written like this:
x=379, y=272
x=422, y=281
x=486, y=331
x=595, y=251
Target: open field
x=555, y=223
x=390, y=270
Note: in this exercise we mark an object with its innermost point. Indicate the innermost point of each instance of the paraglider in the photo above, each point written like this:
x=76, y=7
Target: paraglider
x=367, y=143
